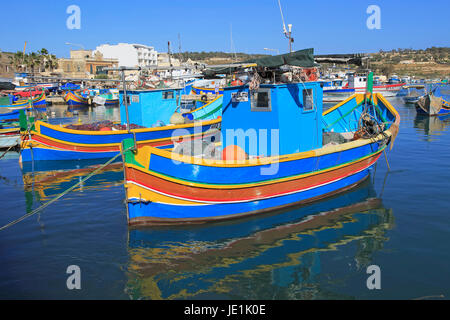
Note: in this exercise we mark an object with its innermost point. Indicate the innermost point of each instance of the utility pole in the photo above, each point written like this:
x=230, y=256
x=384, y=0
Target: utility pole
x=170, y=60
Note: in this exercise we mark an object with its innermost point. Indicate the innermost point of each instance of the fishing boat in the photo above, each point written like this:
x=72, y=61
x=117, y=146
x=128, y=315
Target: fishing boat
x=75, y=98
x=153, y=120
x=210, y=110
x=436, y=102
x=413, y=93
x=357, y=83
x=38, y=101
x=9, y=116
x=9, y=136
x=69, y=87
x=213, y=86
x=106, y=97
x=277, y=149
x=49, y=86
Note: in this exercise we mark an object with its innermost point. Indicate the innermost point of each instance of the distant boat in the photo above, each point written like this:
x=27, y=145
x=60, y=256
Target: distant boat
x=6, y=85
x=38, y=101
x=108, y=97
x=75, y=98
x=357, y=84
x=49, y=86
x=150, y=111
x=208, y=86
x=413, y=93
x=69, y=87
x=436, y=102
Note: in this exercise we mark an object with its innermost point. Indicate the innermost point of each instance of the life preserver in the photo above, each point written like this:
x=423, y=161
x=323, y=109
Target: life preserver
x=140, y=83
x=311, y=74
x=237, y=82
x=204, y=98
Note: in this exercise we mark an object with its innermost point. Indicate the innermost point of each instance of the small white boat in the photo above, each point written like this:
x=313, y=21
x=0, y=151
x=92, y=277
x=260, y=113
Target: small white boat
x=9, y=140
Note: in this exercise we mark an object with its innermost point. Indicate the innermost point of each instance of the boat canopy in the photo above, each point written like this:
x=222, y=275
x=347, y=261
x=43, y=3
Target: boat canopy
x=301, y=58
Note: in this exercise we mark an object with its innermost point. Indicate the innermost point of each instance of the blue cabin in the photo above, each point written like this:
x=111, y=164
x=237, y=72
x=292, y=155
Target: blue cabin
x=149, y=108
x=284, y=118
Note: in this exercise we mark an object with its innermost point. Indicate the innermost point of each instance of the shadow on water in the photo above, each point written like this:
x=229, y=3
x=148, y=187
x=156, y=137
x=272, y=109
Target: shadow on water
x=275, y=256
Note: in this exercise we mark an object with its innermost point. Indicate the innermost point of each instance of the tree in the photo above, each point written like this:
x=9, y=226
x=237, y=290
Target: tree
x=51, y=62
x=18, y=60
x=387, y=69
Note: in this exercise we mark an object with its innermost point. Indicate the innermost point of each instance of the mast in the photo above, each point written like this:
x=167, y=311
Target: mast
x=287, y=33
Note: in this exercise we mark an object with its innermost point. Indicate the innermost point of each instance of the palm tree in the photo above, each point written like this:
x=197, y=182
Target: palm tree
x=51, y=62
x=43, y=55
x=33, y=60
x=18, y=60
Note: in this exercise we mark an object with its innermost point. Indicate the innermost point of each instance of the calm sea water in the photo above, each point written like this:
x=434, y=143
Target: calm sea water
x=397, y=220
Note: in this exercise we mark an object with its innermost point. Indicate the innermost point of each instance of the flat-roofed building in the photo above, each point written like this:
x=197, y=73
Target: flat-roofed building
x=130, y=54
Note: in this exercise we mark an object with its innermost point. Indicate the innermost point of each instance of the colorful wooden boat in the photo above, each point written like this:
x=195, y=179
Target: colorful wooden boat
x=210, y=110
x=149, y=109
x=75, y=98
x=357, y=84
x=437, y=102
x=109, y=98
x=10, y=116
x=201, y=90
x=38, y=101
x=207, y=86
x=310, y=156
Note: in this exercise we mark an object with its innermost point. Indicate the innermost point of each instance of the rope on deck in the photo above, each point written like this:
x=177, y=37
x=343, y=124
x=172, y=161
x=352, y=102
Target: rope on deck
x=64, y=192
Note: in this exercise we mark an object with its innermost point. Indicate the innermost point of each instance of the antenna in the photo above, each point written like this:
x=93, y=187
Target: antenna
x=231, y=43
x=288, y=32
x=282, y=18
x=179, y=48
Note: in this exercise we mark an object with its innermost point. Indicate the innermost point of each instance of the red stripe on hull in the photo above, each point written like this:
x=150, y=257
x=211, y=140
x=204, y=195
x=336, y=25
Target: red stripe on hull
x=246, y=193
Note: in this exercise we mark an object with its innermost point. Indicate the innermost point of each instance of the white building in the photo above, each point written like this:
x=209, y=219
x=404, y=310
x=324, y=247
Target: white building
x=130, y=55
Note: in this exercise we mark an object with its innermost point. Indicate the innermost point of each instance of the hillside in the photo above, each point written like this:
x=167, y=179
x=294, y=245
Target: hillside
x=432, y=62
x=429, y=63
x=217, y=57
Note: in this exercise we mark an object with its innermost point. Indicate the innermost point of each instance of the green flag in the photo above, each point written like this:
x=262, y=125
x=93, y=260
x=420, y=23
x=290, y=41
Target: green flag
x=370, y=83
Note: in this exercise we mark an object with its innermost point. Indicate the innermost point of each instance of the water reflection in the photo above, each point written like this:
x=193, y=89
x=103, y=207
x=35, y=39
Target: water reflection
x=275, y=256
x=431, y=125
x=43, y=180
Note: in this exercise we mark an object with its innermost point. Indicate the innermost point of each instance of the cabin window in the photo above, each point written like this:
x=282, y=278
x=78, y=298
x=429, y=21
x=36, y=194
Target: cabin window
x=261, y=100
x=167, y=95
x=308, y=100
x=135, y=98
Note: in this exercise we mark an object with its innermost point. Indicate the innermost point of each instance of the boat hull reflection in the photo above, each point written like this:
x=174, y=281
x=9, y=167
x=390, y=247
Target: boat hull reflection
x=273, y=253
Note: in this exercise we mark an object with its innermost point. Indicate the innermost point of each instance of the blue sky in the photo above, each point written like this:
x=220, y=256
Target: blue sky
x=327, y=26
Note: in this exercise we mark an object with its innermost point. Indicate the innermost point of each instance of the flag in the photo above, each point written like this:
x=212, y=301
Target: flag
x=370, y=83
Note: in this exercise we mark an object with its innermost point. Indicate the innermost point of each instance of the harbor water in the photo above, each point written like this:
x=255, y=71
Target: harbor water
x=397, y=219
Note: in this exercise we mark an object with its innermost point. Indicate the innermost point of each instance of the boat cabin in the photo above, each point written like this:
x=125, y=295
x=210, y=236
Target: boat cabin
x=275, y=119
x=150, y=108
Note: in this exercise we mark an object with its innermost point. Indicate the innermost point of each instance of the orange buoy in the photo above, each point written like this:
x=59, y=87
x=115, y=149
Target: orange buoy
x=234, y=152
x=105, y=129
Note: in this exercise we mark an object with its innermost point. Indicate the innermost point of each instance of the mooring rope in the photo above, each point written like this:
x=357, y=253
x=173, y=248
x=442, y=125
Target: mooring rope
x=4, y=153
x=64, y=192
